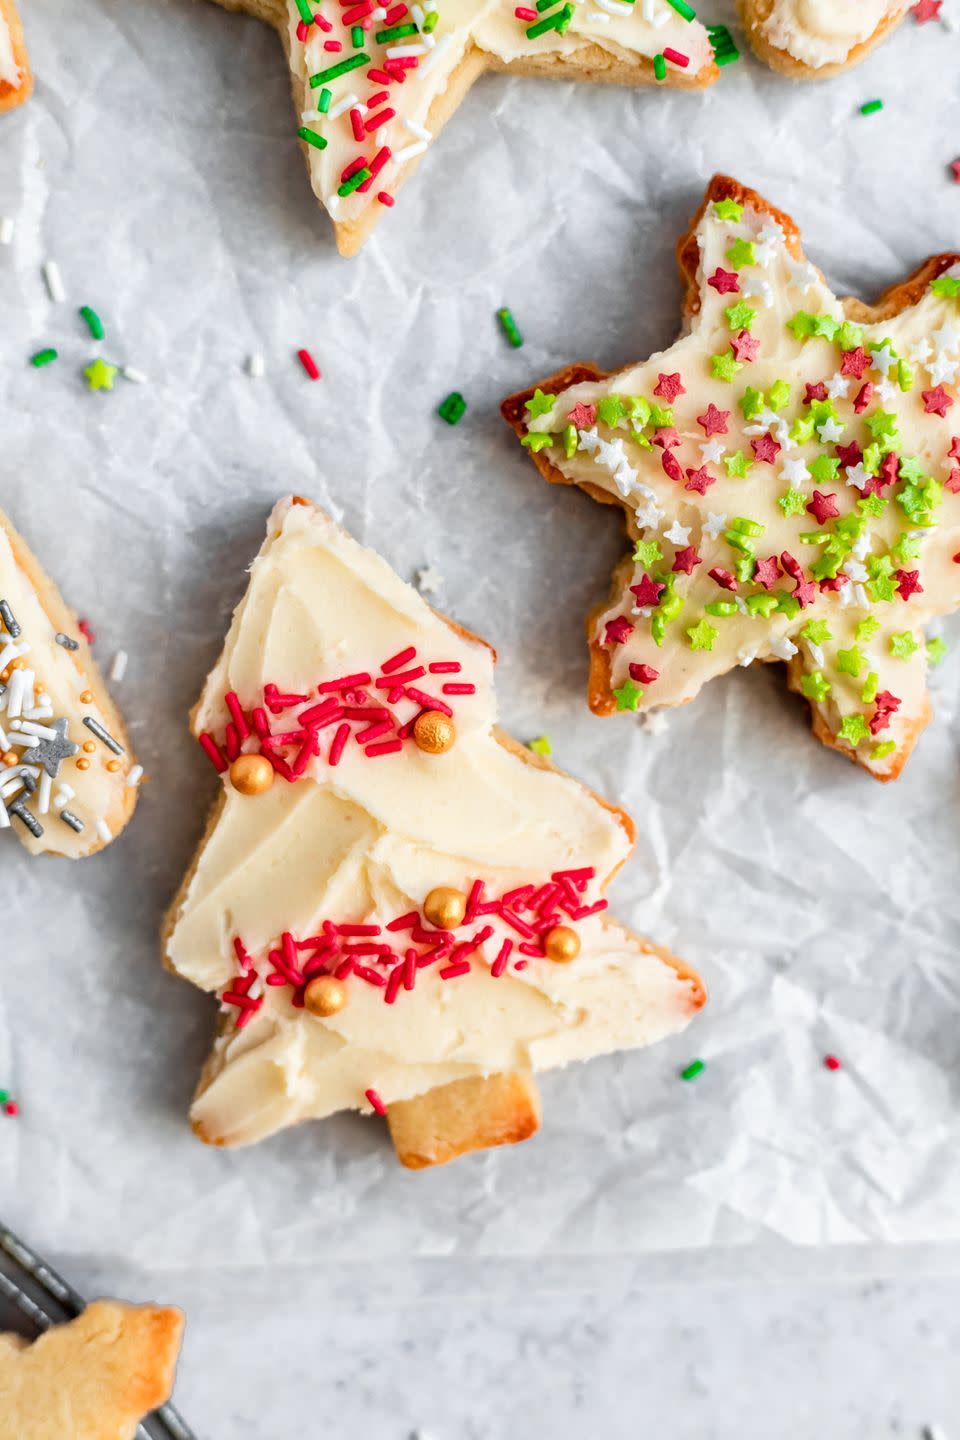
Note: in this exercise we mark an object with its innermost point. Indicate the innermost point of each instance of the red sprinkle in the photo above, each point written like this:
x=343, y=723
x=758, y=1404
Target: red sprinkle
x=450, y=972
x=212, y=750
x=396, y=662
x=309, y=364
x=303, y=30
x=384, y=747
x=339, y=741
x=356, y=120
x=831, y=1062
x=676, y=57
x=86, y=631
x=523, y=12
x=332, y=45
x=375, y=1101
x=375, y=121
x=384, y=198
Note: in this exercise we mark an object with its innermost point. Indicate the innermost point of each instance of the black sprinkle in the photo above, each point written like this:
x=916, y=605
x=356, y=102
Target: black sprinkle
x=74, y=821
x=66, y=641
x=9, y=619
x=97, y=729
x=19, y=809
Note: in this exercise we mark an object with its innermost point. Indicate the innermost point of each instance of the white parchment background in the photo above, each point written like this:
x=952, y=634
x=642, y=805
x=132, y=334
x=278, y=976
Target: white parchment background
x=156, y=164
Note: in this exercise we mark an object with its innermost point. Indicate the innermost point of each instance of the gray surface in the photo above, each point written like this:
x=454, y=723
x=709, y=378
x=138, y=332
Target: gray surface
x=156, y=165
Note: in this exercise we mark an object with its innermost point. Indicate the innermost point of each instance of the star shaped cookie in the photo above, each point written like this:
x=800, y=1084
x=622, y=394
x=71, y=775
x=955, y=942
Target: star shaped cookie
x=95, y=1378
x=811, y=39
x=16, y=81
x=68, y=783
x=373, y=84
x=789, y=471
x=399, y=909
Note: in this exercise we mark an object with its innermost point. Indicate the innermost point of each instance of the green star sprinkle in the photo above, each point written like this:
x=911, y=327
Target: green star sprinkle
x=725, y=367
x=647, y=553
x=722, y=607
x=825, y=327
x=904, y=645
x=907, y=548
x=540, y=746
x=778, y=396
x=867, y=629
x=936, y=651
x=628, y=697
x=869, y=692
x=881, y=751
x=801, y=325
x=569, y=434
x=882, y=425
x=610, y=410
x=638, y=409
x=817, y=632
x=702, y=635
x=815, y=686
x=948, y=285
x=850, y=662
x=751, y=403
x=849, y=336
x=873, y=505
x=824, y=469
x=882, y=589
x=535, y=440
x=100, y=375
x=763, y=604
x=661, y=415
x=741, y=253
x=740, y=316
x=801, y=431
x=904, y=376
x=540, y=404
x=911, y=470
x=737, y=465
x=853, y=729
x=794, y=502
x=728, y=210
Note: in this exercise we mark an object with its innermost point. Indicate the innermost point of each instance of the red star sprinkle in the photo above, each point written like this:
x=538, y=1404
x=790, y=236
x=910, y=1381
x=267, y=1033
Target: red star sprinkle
x=889, y=468
x=668, y=387
x=804, y=592
x=887, y=705
x=666, y=437
x=952, y=482
x=648, y=591
x=815, y=392
x=644, y=673
x=713, y=421
x=823, y=507
x=765, y=448
x=855, y=363
x=725, y=282
x=937, y=402
x=955, y=167
x=723, y=577
x=908, y=583
x=954, y=451
x=700, y=480
x=791, y=567
x=926, y=10
x=863, y=398
x=767, y=572
x=671, y=466
x=745, y=346
x=849, y=454
x=618, y=631
x=686, y=559
x=583, y=416
x=886, y=701
x=836, y=582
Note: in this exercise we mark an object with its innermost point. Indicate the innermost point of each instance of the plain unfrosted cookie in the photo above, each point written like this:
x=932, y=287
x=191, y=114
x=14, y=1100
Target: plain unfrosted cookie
x=364, y=723
x=420, y=61
x=789, y=471
x=95, y=1378
x=68, y=783
x=812, y=39
x=16, y=81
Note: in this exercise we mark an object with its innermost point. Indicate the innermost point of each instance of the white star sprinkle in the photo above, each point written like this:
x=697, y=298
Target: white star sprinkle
x=886, y=392
x=803, y=275
x=830, y=431
x=712, y=451
x=857, y=476
x=795, y=472
x=715, y=525
x=838, y=387
x=754, y=287
x=429, y=580
x=783, y=647
x=947, y=337
x=883, y=357
x=677, y=534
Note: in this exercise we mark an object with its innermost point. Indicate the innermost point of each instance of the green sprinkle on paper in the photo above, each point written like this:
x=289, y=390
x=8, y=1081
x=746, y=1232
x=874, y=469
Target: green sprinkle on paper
x=540, y=746
x=695, y=1068
x=43, y=357
x=453, y=408
x=871, y=107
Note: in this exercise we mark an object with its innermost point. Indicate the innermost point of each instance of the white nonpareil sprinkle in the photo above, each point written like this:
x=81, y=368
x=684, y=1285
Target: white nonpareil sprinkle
x=435, y=54
x=63, y=796
x=342, y=106
x=615, y=7
x=6, y=229
x=135, y=776
x=410, y=152
x=54, y=282
x=406, y=52
x=4, y=818
x=104, y=831
x=119, y=667
x=136, y=377
x=255, y=366
x=43, y=796
x=598, y=17
x=419, y=130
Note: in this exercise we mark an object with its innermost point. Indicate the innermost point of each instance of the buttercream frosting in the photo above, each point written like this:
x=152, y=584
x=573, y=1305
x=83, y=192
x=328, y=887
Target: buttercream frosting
x=77, y=798
x=366, y=841
x=824, y=32
x=726, y=475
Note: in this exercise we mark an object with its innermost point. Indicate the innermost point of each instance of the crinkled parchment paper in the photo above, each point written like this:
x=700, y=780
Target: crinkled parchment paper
x=157, y=166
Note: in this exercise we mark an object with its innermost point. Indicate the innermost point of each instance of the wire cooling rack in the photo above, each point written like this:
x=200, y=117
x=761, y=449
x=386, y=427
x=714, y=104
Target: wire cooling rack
x=37, y=1297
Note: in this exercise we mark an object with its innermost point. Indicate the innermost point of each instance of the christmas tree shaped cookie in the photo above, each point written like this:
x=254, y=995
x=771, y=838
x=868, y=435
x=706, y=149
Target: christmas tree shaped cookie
x=789, y=471
x=810, y=39
x=373, y=84
x=95, y=1378
x=67, y=778
x=16, y=82
x=399, y=909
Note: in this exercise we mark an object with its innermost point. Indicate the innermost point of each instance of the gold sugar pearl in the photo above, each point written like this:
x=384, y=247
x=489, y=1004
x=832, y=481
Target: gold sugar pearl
x=83, y=764
x=89, y=746
x=86, y=697
x=434, y=732
x=251, y=774
x=10, y=757
x=445, y=907
x=325, y=995
x=113, y=766
x=561, y=944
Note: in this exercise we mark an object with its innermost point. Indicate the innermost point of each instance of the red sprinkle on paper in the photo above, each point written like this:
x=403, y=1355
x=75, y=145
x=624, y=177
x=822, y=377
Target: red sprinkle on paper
x=831, y=1062
x=309, y=364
